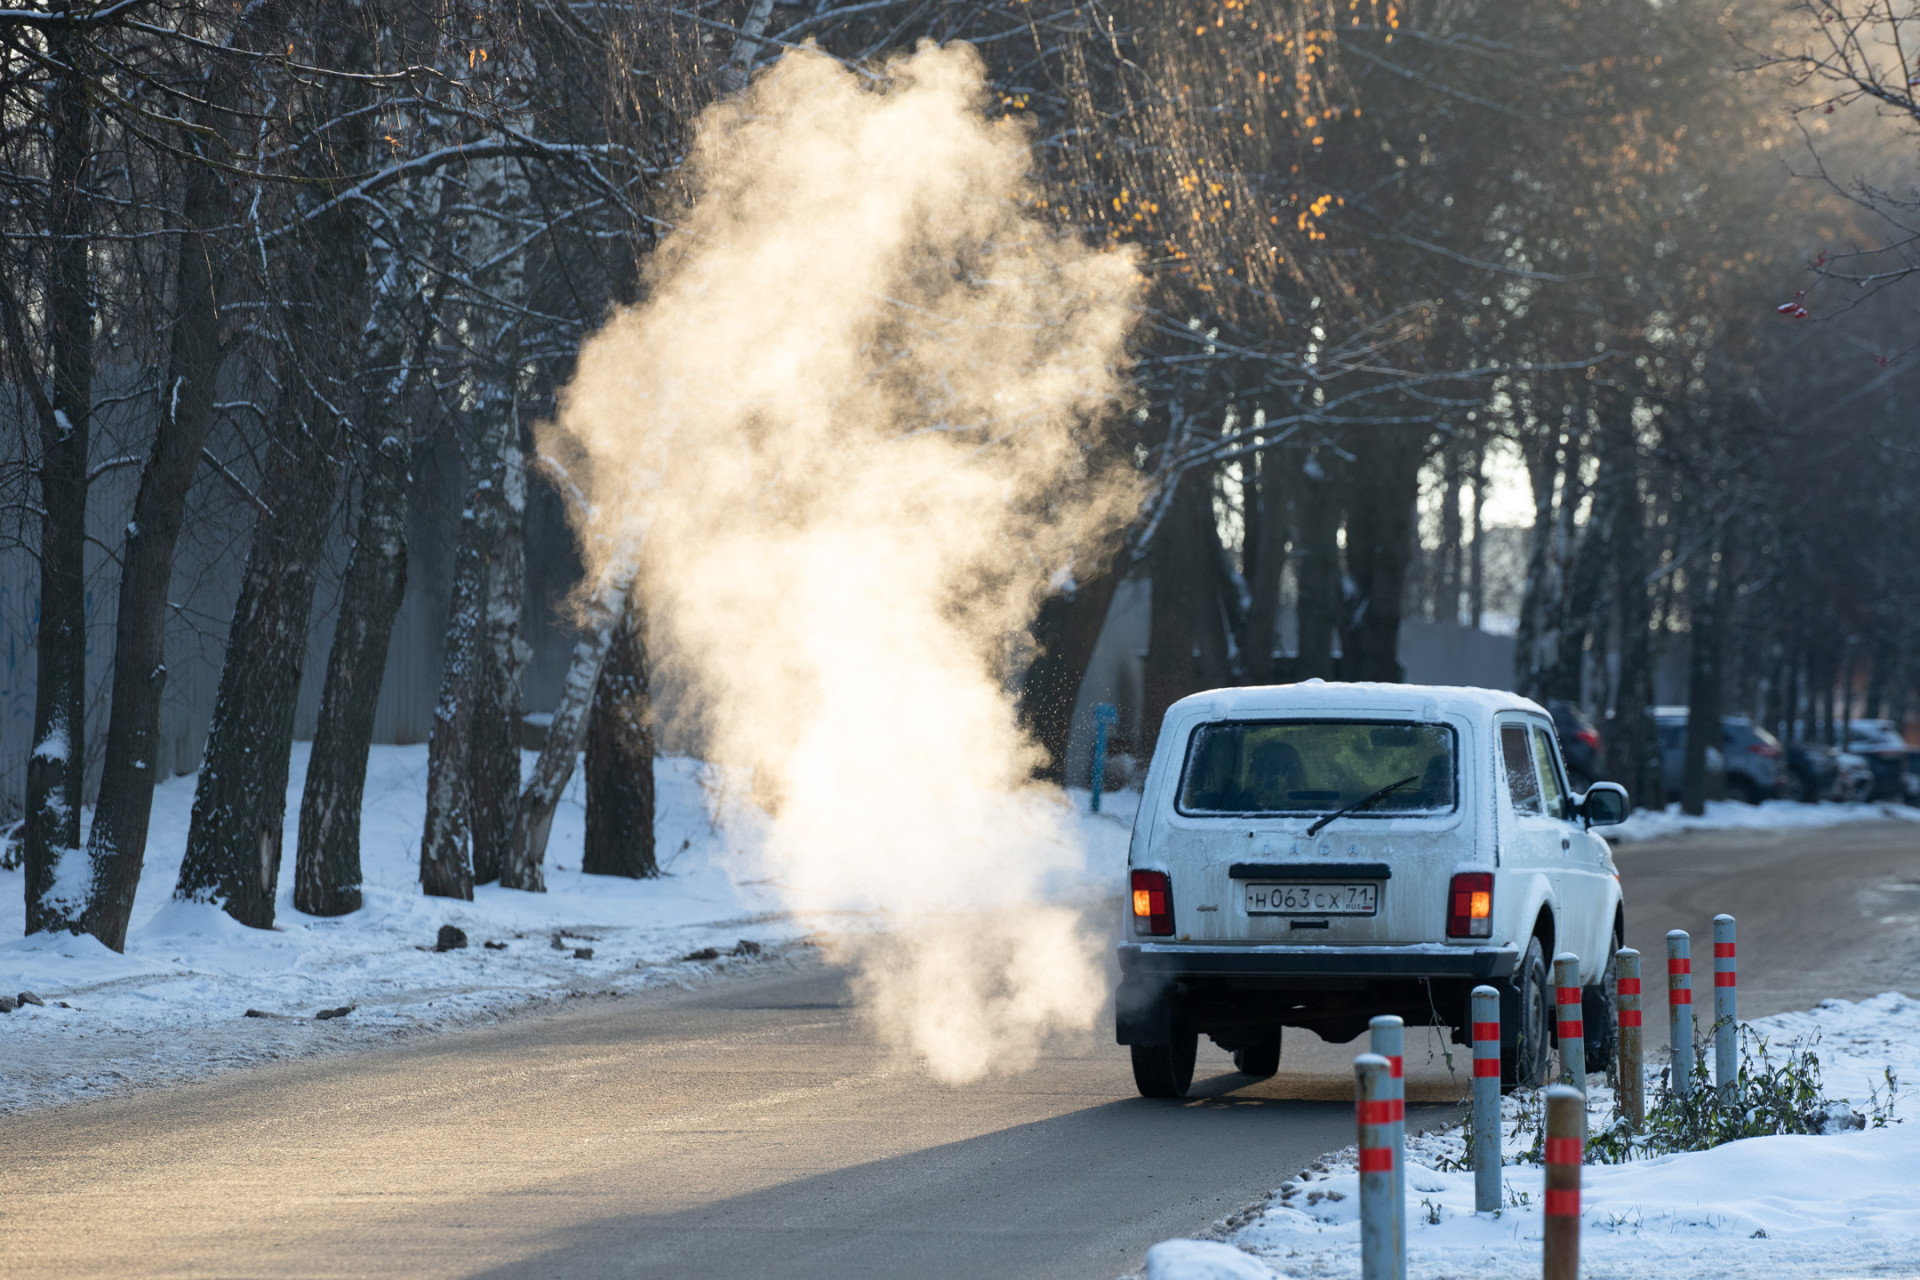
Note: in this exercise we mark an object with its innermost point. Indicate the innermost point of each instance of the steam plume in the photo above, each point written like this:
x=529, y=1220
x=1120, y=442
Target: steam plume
x=848, y=434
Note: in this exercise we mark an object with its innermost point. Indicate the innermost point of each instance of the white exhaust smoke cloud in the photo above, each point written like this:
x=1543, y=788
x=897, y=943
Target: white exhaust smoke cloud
x=848, y=432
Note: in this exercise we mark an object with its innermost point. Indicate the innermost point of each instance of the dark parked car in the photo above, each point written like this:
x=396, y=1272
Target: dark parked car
x=1749, y=761
x=1886, y=752
x=1812, y=772
x=1580, y=746
x=1755, y=761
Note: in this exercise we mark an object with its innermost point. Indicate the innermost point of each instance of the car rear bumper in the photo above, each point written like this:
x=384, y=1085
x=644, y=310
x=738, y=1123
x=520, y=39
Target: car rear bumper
x=1180, y=960
x=1332, y=990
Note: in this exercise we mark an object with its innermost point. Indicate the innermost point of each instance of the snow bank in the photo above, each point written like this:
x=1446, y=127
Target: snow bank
x=175, y=1005
x=1834, y=1206
x=1769, y=815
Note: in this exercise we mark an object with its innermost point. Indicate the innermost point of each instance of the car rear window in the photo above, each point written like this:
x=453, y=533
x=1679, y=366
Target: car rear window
x=1317, y=766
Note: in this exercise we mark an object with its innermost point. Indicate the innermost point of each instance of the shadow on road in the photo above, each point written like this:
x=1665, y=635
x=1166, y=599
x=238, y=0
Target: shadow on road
x=1039, y=1199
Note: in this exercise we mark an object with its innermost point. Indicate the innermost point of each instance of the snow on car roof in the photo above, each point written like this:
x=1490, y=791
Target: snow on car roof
x=1417, y=701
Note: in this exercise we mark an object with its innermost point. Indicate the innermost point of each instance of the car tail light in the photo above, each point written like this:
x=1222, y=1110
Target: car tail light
x=1152, y=903
x=1591, y=737
x=1469, y=905
x=1765, y=750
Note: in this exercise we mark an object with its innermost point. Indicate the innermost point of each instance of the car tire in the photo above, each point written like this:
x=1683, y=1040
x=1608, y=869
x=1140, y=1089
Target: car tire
x=1744, y=789
x=1600, y=1015
x=1165, y=1070
x=1524, y=1064
x=1261, y=1058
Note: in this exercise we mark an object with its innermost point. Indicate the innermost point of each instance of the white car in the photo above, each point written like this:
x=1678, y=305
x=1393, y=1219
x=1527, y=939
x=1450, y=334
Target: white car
x=1313, y=855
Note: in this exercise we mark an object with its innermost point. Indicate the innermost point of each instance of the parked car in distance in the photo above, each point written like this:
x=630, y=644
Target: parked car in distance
x=1580, y=743
x=1854, y=781
x=1813, y=772
x=1886, y=754
x=1670, y=723
x=1314, y=855
x=1755, y=761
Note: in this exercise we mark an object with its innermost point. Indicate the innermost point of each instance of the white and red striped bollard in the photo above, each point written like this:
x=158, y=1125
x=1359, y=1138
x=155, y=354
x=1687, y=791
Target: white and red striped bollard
x=1633, y=1077
x=1486, y=1100
x=1383, y=1233
x=1388, y=1039
x=1566, y=998
x=1726, y=1024
x=1680, y=1012
x=1566, y=1121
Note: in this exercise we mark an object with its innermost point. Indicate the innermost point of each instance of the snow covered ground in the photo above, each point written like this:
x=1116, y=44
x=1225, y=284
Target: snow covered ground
x=174, y=1006
x=1846, y=1204
x=1733, y=815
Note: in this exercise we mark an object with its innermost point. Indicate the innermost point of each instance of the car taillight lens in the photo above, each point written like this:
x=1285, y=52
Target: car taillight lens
x=1764, y=750
x=1470, y=905
x=1591, y=737
x=1152, y=903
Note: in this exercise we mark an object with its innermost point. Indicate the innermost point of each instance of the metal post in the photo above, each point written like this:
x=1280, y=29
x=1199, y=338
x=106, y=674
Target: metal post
x=1573, y=1038
x=1383, y=1236
x=1566, y=1114
x=1104, y=715
x=1680, y=1011
x=1633, y=1074
x=1486, y=1099
x=1726, y=1024
x=1388, y=1040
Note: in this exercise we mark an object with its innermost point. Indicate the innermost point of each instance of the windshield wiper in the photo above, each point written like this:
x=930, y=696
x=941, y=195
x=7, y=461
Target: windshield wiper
x=1358, y=805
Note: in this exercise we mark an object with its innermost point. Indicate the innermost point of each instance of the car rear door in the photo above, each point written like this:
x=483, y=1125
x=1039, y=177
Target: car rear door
x=1586, y=865
x=1546, y=839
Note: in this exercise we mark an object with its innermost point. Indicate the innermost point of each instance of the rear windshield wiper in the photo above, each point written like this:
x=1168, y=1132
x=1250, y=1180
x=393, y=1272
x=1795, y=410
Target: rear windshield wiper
x=1358, y=805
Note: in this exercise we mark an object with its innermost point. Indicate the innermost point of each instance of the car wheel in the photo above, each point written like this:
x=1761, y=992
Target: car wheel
x=1600, y=1015
x=1744, y=789
x=1165, y=1070
x=1524, y=1064
x=1261, y=1058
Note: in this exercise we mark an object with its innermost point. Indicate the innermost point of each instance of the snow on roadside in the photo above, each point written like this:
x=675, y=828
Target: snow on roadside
x=1839, y=1205
x=1769, y=815
x=174, y=1006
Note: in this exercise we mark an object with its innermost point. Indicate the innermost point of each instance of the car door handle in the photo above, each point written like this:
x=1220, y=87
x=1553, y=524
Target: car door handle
x=1566, y=842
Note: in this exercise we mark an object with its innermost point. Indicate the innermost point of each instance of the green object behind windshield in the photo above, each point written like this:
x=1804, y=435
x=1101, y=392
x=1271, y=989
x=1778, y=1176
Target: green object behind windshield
x=1316, y=766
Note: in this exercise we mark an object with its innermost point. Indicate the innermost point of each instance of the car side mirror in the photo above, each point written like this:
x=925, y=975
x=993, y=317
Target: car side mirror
x=1604, y=805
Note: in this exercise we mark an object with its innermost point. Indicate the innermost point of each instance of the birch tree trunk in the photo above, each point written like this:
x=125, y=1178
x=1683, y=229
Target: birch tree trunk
x=619, y=762
x=474, y=755
x=446, y=868
x=327, y=867
x=493, y=760
x=533, y=820
x=57, y=891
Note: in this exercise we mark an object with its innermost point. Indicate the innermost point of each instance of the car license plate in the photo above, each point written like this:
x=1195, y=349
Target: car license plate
x=1313, y=899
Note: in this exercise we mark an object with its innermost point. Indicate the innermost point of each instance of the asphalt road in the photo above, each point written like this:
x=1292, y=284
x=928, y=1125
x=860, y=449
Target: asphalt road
x=754, y=1129
x=1826, y=913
